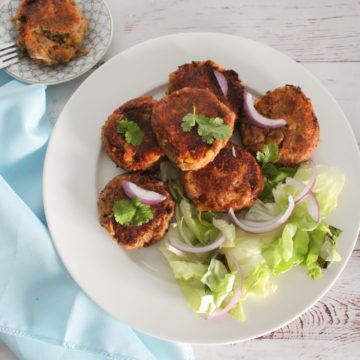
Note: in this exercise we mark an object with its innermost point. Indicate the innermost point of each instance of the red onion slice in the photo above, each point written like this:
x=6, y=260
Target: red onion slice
x=256, y=118
x=308, y=197
x=258, y=227
x=145, y=196
x=304, y=189
x=313, y=206
x=235, y=298
x=221, y=79
x=196, y=249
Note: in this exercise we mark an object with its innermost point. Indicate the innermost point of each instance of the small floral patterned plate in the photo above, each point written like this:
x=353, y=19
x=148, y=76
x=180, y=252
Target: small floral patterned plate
x=98, y=41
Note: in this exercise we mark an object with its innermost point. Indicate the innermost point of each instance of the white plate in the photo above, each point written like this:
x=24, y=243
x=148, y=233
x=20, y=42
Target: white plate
x=98, y=41
x=137, y=287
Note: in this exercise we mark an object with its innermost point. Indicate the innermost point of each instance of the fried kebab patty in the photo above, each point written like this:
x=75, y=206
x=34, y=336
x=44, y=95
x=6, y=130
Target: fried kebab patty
x=186, y=149
x=200, y=74
x=51, y=31
x=124, y=154
x=227, y=182
x=135, y=236
x=298, y=139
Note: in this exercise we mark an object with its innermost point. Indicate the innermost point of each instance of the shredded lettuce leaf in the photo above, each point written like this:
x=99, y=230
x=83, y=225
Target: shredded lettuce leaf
x=329, y=184
x=186, y=270
x=278, y=263
x=260, y=282
x=228, y=230
x=205, y=281
x=217, y=278
x=204, y=231
x=309, y=237
x=257, y=277
x=286, y=242
x=261, y=211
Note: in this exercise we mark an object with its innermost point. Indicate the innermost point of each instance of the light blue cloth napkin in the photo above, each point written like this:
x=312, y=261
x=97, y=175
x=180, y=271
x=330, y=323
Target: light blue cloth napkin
x=43, y=312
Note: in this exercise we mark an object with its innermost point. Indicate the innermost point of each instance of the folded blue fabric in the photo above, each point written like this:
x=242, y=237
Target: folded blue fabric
x=43, y=312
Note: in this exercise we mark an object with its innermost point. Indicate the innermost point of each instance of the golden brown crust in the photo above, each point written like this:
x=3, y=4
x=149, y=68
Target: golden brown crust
x=51, y=31
x=227, y=182
x=200, y=74
x=298, y=139
x=133, y=236
x=128, y=156
x=186, y=149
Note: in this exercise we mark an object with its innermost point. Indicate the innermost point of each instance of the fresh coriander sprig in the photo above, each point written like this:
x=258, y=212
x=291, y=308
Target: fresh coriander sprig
x=133, y=134
x=209, y=129
x=269, y=153
x=132, y=212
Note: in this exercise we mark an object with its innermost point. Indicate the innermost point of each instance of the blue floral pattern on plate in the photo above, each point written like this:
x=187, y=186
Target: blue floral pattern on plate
x=98, y=41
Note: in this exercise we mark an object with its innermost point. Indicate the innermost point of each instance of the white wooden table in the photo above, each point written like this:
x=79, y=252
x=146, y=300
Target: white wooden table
x=324, y=35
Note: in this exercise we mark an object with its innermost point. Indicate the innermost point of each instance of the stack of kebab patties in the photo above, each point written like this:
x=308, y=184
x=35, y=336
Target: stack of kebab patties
x=192, y=127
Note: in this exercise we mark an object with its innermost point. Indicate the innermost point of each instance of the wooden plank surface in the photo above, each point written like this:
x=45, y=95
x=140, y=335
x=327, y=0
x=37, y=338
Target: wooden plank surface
x=307, y=30
x=325, y=36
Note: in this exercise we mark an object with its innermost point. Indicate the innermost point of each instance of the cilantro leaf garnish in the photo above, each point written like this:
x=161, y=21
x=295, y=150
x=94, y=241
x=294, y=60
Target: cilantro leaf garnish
x=189, y=121
x=269, y=154
x=132, y=212
x=124, y=211
x=143, y=213
x=133, y=134
x=209, y=129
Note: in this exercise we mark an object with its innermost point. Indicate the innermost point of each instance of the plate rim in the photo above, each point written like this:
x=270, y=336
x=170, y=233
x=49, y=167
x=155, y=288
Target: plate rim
x=313, y=78
x=85, y=70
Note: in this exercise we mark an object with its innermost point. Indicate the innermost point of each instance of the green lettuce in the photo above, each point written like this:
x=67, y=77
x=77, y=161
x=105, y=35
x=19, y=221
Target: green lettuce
x=256, y=273
x=329, y=184
x=274, y=253
x=309, y=238
x=203, y=230
x=217, y=278
x=196, y=228
x=273, y=174
x=206, y=281
x=209, y=280
x=186, y=270
x=260, y=282
x=228, y=230
x=300, y=241
x=286, y=242
x=317, y=238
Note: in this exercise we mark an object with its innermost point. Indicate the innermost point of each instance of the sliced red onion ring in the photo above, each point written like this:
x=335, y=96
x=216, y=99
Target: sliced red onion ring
x=235, y=298
x=196, y=249
x=145, y=196
x=258, y=227
x=304, y=189
x=313, y=206
x=258, y=119
x=309, y=198
x=221, y=79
